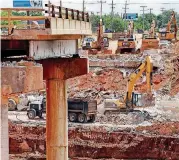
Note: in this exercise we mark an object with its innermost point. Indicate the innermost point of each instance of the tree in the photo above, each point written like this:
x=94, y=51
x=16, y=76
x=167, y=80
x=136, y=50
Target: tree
x=162, y=19
x=16, y=13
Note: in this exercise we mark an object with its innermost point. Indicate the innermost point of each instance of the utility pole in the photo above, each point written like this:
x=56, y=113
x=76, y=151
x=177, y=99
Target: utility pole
x=112, y=13
x=60, y=3
x=101, y=10
x=143, y=9
x=162, y=10
x=151, y=15
x=83, y=5
x=125, y=13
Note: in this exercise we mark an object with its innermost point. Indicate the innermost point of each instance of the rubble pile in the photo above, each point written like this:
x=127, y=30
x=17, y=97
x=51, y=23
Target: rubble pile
x=167, y=129
x=98, y=85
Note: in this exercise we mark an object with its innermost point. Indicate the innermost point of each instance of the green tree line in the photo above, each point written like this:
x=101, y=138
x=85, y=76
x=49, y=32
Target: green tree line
x=117, y=24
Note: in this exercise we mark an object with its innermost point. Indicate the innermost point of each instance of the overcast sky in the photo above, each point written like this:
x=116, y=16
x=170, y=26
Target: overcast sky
x=133, y=8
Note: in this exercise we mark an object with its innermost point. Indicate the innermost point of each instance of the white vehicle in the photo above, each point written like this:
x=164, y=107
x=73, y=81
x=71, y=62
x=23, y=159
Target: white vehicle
x=87, y=42
x=164, y=44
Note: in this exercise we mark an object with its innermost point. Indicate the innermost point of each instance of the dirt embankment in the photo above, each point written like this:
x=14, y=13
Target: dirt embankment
x=100, y=142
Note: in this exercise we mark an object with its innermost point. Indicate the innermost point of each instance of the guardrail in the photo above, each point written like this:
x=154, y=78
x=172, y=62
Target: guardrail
x=27, y=21
x=66, y=13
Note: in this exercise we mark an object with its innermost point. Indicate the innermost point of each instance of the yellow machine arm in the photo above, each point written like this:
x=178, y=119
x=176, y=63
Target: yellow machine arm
x=144, y=67
x=100, y=33
x=172, y=19
x=131, y=28
x=152, y=29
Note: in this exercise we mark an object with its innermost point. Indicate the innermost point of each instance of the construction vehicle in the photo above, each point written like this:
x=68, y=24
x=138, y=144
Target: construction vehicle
x=78, y=110
x=100, y=45
x=21, y=102
x=170, y=34
x=127, y=42
x=82, y=110
x=36, y=108
x=132, y=100
x=150, y=41
x=13, y=101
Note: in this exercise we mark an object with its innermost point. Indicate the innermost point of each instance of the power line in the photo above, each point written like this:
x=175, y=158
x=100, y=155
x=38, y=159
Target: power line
x=143, y=9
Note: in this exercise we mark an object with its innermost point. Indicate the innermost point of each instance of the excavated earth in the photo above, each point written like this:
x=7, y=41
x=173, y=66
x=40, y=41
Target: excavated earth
x=159, y=141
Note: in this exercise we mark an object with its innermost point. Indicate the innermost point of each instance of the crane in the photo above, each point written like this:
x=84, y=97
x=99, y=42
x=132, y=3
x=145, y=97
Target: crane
x=131, y=99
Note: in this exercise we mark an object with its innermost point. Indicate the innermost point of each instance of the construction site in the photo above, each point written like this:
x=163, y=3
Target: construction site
x=74, y=88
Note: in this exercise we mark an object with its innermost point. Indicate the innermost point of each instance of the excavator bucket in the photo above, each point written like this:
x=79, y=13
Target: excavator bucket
x=149, y=44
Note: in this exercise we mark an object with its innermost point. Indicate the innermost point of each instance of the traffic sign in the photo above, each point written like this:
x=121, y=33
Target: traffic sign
x=130, y=16
x=27, y=3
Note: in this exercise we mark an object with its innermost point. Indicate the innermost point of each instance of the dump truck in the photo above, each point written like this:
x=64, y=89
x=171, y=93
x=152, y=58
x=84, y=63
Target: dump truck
x=78, y=110
x=132, y=99
x=170, y=34
x=150, y=41
x=82, y=110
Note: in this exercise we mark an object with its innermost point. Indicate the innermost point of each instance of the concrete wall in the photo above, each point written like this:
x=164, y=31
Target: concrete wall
x=52, y=49
x=67, y=26
x=4, y=155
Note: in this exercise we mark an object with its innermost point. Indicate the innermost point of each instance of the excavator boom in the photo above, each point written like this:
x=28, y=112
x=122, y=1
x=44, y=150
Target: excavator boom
x=131, y=99
x=169, y=34
x=144, y=67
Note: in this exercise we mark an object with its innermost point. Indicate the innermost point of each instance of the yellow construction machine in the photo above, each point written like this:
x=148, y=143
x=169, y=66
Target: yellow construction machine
x=126, y=42
x=100, y=44
x=170, y=34
x=150, y=41
x=132, y=99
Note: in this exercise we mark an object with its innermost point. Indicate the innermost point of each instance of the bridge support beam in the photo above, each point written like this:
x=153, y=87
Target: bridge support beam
x=56, y=72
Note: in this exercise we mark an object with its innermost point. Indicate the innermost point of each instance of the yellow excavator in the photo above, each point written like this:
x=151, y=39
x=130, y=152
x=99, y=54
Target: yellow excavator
x=101, y=44
x=126, y=42
x=170, y=34
x=132, y=100
x=150, y=41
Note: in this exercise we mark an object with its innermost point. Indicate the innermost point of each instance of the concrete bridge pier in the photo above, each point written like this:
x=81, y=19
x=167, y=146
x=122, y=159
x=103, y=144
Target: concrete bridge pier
x=56, y=72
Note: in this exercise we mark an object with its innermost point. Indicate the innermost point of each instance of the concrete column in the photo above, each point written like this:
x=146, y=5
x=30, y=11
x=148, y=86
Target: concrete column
x=56, y=72
x=57, y=129
x=4, y=130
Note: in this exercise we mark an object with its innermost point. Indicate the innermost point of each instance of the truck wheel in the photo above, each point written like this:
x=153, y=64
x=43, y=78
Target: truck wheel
x=93, y=118
x=31, y=114
x=107, y=113
x=82, y=118
x=12, y=106
x=72, y=117
x=40, y=114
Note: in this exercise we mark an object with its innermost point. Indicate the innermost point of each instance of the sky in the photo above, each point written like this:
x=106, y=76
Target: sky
x=156, y=5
